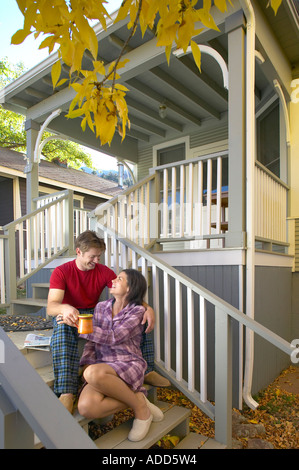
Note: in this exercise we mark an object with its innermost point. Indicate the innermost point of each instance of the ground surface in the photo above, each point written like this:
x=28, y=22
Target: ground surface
x=12, y=323
x=277, y=416
x=274, y=424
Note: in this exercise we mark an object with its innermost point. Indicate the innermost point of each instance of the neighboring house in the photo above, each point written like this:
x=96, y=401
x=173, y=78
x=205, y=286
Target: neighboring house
x=221, y=166
x=89, y=190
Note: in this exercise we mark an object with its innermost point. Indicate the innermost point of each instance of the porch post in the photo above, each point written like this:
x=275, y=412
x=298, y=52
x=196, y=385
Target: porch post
x=235, y=27
x=31, y=169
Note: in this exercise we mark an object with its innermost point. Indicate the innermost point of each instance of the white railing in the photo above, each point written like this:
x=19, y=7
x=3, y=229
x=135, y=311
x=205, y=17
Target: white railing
x=132, y=213
x=189, y=201
x=193, y=198
x=81, y=219
x=270, y=206
x=184, y=311
x=3, y=293
x=32, y=241
x=186, y=200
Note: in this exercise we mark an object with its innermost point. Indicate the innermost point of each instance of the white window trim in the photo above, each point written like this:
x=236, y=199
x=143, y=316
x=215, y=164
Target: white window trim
x=169, y=144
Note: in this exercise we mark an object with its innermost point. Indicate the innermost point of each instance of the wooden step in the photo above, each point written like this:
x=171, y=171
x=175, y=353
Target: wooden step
x=27, y=306
x=176, y=421
x=198, y=441
x=40, y=290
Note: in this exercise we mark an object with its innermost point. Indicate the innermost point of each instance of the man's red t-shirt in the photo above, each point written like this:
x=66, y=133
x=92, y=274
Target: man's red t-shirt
x=82, y=289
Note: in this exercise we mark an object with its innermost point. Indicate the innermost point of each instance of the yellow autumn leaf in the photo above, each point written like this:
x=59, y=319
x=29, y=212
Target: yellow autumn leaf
x=75, y=113
x=22, y=5
x=55, y=73
x=61, y=82
x=174, y=440
x=99, y=67
x=166, y=36
x=206, y=18
x=19, y=36
x=275, y=4
x=221, y=5
x=123, y=11
x=196, y=54
x=168, y=52
x=119, y=86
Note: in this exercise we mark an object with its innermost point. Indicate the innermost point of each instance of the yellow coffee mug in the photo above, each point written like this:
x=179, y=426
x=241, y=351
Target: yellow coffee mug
x=85, y=323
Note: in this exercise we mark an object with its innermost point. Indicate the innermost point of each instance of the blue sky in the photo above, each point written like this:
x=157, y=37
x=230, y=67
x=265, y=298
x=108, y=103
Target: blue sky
x=11, y=19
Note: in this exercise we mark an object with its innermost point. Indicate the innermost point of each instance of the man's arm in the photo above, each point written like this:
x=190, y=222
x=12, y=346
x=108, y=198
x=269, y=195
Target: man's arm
x=64, y=313
x=149, y=317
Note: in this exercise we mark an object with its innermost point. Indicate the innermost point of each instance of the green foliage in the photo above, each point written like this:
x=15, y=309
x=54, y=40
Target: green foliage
x=13, y=135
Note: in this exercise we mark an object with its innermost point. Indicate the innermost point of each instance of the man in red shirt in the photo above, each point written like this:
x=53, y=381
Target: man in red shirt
x=75, y=287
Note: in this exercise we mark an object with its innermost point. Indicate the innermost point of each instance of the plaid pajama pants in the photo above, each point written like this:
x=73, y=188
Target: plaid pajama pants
x=65, y=355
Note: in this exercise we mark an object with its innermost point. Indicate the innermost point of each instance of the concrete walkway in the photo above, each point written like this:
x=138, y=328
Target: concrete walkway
x=289, y=380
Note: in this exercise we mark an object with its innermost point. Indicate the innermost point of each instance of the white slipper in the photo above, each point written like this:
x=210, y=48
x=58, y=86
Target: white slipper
x=158, y=414
x=140, y=429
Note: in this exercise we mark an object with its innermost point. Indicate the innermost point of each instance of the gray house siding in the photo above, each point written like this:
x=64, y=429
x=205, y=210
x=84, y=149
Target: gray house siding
x=273, y=298
x=224, y=282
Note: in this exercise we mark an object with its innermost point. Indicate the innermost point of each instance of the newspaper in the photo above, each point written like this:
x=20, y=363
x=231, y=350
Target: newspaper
x=40, y=342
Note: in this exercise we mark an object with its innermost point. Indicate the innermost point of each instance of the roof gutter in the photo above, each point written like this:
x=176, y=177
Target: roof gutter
x=250, y=196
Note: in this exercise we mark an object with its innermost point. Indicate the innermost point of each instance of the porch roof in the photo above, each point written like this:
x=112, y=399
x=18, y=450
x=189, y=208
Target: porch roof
x=193, y=100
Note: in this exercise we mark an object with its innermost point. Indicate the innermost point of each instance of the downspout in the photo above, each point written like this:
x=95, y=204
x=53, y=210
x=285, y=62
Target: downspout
x=250, y=198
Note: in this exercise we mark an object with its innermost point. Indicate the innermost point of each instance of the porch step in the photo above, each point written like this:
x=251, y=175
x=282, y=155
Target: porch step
x=176, y=421
x=198, y=441
x=27, y=306
x=40, y=290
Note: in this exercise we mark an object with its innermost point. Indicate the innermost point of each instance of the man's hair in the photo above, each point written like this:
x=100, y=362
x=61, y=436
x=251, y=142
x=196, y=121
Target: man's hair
x=137, y=286
x=89, y=239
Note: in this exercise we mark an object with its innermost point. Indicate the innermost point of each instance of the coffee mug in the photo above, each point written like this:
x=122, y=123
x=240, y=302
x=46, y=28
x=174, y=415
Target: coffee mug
x=85, y=323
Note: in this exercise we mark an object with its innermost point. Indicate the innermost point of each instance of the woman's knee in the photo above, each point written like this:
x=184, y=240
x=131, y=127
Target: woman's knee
x=94, y=374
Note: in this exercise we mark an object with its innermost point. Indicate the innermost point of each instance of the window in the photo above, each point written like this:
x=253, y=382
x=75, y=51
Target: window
x=172, y=154
x=268, y=138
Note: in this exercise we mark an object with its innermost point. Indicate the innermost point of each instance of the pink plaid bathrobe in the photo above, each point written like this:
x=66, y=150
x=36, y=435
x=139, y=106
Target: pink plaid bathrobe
x=116, y=341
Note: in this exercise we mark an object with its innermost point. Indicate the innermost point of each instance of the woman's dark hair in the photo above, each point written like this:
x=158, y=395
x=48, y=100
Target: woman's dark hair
x=137, y=286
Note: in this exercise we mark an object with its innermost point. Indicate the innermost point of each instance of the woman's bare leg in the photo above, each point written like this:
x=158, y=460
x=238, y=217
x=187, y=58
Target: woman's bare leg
x=103, y=379
x=93, y=404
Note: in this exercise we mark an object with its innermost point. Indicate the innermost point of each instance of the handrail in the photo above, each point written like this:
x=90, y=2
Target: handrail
x=35, y=212
x=100, y=208
x=33, y=240
x=170, y=334
x=207, y=156
x=29, y=398
x=181, y=201
x=202, y=291
x=272, y=175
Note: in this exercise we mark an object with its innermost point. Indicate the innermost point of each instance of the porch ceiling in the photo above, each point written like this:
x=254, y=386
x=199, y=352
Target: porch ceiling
x=192, y=99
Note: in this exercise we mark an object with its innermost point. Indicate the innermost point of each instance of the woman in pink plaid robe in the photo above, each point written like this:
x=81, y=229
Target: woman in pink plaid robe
x=115, y=367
